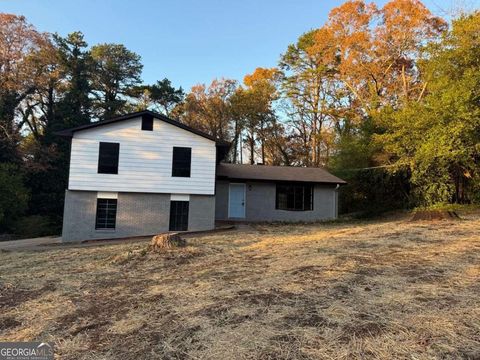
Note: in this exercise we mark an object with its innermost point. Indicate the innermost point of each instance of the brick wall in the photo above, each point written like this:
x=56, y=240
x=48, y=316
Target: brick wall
x=137, y=214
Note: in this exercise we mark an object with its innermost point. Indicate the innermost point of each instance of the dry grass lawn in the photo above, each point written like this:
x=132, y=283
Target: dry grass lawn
x=376, y=290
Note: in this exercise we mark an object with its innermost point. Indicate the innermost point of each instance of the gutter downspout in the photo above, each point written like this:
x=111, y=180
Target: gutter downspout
x=335, y=194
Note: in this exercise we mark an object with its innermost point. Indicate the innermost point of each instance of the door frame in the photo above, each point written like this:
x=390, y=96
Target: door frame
x=244, y=200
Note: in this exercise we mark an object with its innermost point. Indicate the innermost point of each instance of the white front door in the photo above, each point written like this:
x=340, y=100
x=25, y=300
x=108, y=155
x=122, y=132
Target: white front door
x=236, y=201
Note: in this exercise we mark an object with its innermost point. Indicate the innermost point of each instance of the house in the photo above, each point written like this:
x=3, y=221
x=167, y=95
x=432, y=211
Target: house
x=144, y=173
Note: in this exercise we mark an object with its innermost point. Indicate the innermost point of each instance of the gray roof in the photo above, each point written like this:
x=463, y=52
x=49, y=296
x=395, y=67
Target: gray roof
x=276, y=173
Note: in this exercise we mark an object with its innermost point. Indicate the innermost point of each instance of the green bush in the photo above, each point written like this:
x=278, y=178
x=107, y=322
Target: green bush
x=13, y=195
x=370, y=192
x=35, y=226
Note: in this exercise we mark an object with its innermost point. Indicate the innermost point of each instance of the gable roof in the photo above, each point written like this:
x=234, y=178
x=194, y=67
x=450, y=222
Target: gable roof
x=276, y=173
x=71, y=131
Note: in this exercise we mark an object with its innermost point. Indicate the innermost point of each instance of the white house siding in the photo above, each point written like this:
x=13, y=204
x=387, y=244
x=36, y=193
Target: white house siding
x=145, y=159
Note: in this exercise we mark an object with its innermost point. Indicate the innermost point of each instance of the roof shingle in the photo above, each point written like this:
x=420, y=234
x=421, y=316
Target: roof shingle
x=276, y=173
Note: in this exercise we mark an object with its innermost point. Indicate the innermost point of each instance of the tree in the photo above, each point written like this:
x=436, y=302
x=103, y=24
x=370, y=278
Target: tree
x=69, y=104
x=161, y=96
x=306, y=88
x=13, y=195
x=254, y=116
x=208, y=108
x=437, y=137
x=378, y=50
x=345, y=72
x=116, y=71
x=37, y=109
x=18, y=41
x=75, y=107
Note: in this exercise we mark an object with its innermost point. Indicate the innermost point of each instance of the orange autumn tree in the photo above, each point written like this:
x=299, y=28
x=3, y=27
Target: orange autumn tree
x=207, y=108
x=363, y=59
x=19, y=42
x=378, y=49
x=256, y=122
x=406, y=26
x=275, y=147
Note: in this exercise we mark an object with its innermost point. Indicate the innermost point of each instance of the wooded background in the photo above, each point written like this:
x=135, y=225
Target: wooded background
x=386, y=98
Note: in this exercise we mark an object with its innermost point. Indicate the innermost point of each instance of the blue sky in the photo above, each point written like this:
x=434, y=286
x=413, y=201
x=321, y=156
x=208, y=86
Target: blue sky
x=191, y=41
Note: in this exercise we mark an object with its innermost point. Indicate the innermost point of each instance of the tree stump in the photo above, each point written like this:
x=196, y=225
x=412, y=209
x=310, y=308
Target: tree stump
x=434, y=215
x=166, y=241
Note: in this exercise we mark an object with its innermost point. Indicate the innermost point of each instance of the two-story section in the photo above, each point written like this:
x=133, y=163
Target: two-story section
x=140, y=174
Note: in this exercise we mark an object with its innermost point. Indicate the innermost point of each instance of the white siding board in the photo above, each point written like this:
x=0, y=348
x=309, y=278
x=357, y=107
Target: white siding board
x=145, y=160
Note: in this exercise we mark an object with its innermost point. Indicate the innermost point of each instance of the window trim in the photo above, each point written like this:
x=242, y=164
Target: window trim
x=176, y=169
x=295, y=185
x=114, y=170
x=97, y=213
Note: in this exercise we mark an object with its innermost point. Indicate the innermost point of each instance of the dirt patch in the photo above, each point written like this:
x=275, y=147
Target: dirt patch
x=270, y=298
x=12, y=296
x=439, y=302
x=7, y=323
x=361, y=329
x=282, y=347
x=422, y=274
x=307, y=318
x=215, y=311
x=307, y=270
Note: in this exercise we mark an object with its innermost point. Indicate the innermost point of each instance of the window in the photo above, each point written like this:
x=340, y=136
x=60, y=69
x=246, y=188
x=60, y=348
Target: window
x=108, y=158
x=182, y=158
x=106, y=214
x=297, y=197
x=178, y=215
x=147, y=122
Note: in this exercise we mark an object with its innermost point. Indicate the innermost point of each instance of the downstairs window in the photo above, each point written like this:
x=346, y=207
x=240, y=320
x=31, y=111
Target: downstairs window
x=295, y=197
x=179, y=215
x=106, y=214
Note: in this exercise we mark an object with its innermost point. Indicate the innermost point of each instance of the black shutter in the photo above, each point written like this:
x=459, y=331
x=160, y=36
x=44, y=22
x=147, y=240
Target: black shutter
x=108, y=158
x=178, y=215
x=147, y=122
x=106, y=214
x=181, y=162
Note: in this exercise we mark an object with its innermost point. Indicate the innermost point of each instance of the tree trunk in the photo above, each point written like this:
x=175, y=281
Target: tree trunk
x=241, y=148
x=252, y=152
x=252, y=146
x=314, y=141
x=166, y=241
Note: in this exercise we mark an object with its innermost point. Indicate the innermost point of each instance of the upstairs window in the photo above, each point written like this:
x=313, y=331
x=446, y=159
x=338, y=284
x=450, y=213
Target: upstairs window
x=106, y=214
x=181, y=163
x=295, y=197
x=108, y=158
x=147, y=122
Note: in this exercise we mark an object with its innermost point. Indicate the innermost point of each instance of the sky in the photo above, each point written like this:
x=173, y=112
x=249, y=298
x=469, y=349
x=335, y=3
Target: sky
x=193, y=41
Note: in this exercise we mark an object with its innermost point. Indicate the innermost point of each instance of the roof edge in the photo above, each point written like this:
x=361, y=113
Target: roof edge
x=71, y=131
x=223, y=177
x=335, y=180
